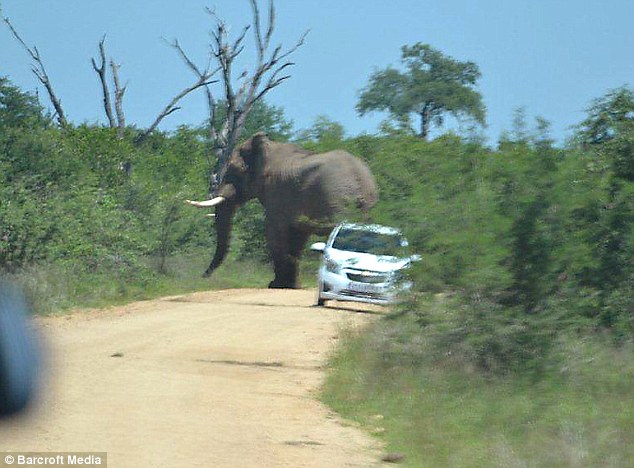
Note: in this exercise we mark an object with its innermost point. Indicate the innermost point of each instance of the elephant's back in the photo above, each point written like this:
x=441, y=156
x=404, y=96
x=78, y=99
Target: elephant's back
x=342, y=178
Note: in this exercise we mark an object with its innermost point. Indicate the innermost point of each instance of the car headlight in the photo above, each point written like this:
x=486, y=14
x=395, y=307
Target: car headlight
x=399, y=276
x=331, y=265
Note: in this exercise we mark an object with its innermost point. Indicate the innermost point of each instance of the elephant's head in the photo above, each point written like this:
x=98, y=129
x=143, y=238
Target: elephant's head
x=239, y=180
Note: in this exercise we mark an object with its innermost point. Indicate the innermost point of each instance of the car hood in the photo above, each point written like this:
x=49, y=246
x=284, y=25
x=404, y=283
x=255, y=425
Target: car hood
x=366, y=261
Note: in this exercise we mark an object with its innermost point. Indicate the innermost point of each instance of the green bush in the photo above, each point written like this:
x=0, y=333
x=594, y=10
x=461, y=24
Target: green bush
x=529, y=240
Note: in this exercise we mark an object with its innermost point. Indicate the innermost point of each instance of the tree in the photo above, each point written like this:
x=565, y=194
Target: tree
x=239, y=94
x=18, y=109
x=609, y=131
x=119, y=91
x=269, y=72
x=323, y=129
x=264, y=117
x=608, y=135
x=432, y=85
x=40, y=72
x=608, y=117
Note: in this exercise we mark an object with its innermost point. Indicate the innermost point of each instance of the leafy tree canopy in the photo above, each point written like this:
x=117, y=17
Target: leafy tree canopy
x=609, y=131
x=608, y=117
x=323, y=128
x=17, y=108
x=431, y=86
x=262, y=117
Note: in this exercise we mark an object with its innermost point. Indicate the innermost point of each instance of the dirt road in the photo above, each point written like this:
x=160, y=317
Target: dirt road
x=215, y=379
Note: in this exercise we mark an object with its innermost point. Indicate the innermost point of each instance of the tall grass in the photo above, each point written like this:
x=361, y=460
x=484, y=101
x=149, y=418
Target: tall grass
x=441, y=411
x=58, y=287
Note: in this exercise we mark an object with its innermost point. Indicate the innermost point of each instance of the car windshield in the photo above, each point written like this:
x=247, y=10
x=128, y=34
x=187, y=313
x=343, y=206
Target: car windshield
x=372, y=242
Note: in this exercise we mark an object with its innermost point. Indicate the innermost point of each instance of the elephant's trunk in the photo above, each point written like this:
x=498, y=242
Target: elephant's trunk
x=224, y=219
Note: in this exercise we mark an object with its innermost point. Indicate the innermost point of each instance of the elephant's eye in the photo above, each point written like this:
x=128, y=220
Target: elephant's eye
x=238, y=167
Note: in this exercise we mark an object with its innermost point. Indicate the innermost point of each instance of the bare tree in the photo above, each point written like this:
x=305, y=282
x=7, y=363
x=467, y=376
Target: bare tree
x=119, y=91
x=211, y=101
x=117, y=122
x=40, y=72
x=268, y=73
x=203, y=80
x=103, y=78
x=116, y=116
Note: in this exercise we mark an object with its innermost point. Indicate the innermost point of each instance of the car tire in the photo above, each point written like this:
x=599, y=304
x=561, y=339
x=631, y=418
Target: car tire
x=320, y=300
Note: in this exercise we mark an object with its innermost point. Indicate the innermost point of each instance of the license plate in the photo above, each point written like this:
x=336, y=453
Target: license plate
x=363, y=287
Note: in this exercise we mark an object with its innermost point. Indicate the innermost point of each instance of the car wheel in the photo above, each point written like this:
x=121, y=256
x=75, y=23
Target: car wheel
x=320, y=289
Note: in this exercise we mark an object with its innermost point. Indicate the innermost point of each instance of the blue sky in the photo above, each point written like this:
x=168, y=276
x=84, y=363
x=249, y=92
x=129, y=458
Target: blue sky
x=550, y=56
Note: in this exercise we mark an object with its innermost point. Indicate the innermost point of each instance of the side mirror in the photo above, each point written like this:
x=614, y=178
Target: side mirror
x=415, y=258
x=318, y=247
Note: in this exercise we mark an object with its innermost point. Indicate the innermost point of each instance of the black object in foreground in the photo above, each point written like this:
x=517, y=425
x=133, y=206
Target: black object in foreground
x=18, y=353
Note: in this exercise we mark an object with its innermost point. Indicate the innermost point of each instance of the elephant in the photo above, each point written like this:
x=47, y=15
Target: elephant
x=301, y=193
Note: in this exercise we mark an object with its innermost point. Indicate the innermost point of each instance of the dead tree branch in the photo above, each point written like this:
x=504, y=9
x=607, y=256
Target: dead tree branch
x=171, y=107
x=102, y=73
x=116, y=118
x=119, y=91
x=40, y=72
x=211, y=101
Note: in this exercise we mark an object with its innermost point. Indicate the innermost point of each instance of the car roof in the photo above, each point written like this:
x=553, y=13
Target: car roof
x=371, y=227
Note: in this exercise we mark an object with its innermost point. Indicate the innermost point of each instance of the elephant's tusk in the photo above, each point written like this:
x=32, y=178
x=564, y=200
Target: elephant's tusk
x=202, y=204
x=211, y=215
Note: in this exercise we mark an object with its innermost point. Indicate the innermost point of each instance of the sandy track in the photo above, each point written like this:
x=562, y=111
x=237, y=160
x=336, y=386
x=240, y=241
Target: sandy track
x=216, y=379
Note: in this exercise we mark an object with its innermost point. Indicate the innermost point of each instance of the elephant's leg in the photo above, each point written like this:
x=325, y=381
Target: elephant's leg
x=278, y=242
x=285, y=246
x=285, y=272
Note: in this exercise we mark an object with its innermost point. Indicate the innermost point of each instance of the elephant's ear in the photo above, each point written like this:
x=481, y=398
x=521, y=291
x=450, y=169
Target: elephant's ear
x=259, y=142
x=253, y=152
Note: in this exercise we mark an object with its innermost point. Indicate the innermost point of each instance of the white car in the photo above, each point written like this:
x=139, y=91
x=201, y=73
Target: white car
x=362, y=263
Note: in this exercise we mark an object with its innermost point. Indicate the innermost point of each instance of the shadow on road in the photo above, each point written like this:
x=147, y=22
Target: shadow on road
x=349, y=308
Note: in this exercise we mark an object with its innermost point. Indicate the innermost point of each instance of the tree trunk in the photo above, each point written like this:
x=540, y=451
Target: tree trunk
x=424, y=122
